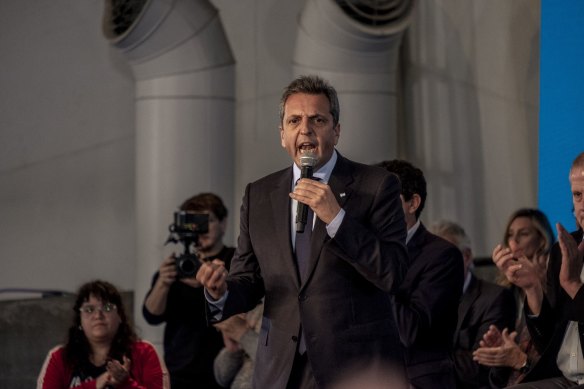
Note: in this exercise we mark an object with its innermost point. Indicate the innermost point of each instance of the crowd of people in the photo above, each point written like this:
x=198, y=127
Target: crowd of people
x=364, y=294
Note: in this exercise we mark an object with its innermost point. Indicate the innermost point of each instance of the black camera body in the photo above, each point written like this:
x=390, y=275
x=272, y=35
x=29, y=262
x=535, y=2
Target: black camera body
x=186, y=229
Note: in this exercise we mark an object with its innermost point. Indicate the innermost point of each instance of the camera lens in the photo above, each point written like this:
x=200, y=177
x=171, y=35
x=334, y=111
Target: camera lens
x=187, y=265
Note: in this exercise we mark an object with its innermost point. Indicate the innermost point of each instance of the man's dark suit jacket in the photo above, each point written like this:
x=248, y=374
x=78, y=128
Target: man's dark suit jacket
x=427, y=306
x=344, y=306
x=484, y=303
x=547, y=330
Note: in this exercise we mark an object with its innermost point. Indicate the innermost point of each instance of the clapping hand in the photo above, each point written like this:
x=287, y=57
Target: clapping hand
x=115, y=374
x=571, y=268
x=505, y=353
x=492, y=338
x=118, y=373
x=522, y=272
x=233, y=329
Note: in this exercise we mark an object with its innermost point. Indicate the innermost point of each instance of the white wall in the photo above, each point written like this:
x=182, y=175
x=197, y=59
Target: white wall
x=472, y=100
x=67, y=133
x=66, y=148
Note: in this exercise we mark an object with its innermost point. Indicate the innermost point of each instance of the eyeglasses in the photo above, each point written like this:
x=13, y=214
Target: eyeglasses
x=90, y=309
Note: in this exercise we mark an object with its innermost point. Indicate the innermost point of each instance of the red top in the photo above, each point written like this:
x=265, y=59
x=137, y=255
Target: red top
x=147, y=371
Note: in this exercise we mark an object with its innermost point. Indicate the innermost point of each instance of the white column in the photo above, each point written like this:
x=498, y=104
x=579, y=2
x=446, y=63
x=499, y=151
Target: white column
x=357, y=52
x=184, y=73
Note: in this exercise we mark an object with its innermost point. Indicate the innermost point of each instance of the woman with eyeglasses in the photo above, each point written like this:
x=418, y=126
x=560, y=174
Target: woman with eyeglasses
x=522, y=261
x=102, y=351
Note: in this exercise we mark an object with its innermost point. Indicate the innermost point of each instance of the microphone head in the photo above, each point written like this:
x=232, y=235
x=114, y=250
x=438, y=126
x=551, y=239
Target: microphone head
x=308, y=159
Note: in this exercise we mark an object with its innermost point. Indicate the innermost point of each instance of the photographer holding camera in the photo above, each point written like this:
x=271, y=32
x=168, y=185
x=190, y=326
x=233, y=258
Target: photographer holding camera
x=177, y=298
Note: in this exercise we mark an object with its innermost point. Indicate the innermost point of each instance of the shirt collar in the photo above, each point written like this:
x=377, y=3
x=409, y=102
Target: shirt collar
x=412, y=231
x=466, y=282
x=324, y=173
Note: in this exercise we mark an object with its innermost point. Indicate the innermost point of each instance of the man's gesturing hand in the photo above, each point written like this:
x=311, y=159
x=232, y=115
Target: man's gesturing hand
x=212, y=276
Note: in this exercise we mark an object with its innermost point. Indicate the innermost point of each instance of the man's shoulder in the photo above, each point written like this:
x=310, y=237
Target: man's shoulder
x=272, y=178
x=428, y=239
x=492, y=289
x=363, y=172
x=435, y=248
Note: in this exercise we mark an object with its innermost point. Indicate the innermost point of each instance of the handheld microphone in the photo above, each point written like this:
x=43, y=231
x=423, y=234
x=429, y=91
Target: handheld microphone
x=307, y=162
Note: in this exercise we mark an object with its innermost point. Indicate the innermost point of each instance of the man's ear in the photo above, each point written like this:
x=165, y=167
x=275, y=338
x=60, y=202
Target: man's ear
x=282, y=137
x=415, y=202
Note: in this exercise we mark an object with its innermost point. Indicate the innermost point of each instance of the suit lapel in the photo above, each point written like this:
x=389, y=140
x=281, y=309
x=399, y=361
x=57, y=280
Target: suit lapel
x=280, y=201
x=340, y=181
x=468, y=298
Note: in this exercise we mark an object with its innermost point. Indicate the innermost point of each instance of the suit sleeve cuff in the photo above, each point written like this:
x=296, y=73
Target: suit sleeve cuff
x=215, y=306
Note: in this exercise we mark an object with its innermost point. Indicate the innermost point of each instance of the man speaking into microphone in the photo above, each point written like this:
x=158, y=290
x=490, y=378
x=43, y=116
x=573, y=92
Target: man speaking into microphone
x=326, y=274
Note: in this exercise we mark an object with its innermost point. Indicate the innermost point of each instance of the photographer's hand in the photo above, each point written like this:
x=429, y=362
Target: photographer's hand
x=155, y=302
x=167, y=271
x=212, y=276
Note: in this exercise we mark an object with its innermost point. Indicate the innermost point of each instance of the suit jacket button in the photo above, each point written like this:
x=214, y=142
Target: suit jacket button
x=294, y=338
x=301, y=297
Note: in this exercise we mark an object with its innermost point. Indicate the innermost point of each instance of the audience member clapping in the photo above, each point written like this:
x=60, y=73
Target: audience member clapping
x=522, y=260
x=102, y=350
x=483, y=304
x=234, y=364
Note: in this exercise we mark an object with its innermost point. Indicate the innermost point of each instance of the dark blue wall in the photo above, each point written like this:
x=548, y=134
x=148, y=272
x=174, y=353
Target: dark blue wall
x=561, y=124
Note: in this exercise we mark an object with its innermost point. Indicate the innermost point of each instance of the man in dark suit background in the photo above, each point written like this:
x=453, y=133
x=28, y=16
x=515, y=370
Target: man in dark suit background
x=332, y=310
x=483, y=304
x=427, y=300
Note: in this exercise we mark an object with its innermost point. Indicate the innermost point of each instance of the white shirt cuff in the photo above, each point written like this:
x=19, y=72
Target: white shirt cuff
x=333, y=226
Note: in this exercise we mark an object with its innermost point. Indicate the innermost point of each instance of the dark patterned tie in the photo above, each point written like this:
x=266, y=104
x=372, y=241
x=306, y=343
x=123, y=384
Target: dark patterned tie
x=303, y=246
x=302, y=260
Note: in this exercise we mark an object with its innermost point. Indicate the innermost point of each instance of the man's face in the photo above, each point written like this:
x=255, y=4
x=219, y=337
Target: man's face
x=308, y=125
x=209, y=241
x=577, y=187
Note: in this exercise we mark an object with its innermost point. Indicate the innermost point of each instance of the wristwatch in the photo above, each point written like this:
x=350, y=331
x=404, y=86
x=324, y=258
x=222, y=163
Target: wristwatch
x=526, y=366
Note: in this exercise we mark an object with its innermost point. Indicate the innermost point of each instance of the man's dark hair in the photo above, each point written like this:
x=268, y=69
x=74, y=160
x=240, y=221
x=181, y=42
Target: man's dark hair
x=206, y=202
x=312, y=85
x=411, y=178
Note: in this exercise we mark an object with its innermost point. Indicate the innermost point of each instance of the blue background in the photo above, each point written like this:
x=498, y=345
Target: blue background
x=561, y=121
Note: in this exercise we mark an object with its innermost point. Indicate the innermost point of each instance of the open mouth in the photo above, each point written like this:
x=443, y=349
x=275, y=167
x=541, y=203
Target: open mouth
x=306, y=148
